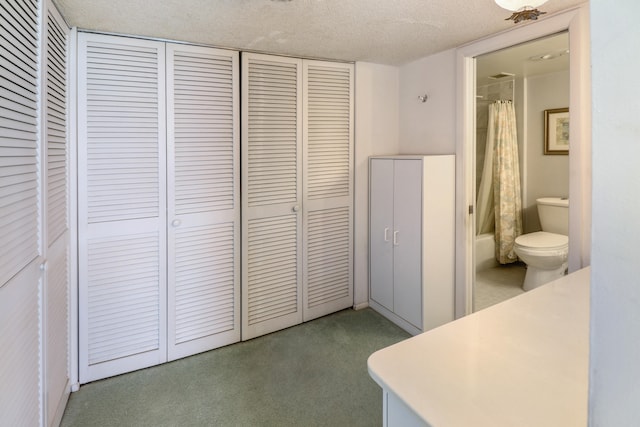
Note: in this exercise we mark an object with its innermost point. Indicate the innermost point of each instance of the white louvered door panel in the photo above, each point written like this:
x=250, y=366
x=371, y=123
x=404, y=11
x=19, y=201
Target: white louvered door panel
x=271, y=193
x=56, y=284
x=56, y=134
x=56, y=311
x=203, y=184
x=20, y=210
x=328, y=188
x=20, y=349
x=19, y=176
x=122, y=204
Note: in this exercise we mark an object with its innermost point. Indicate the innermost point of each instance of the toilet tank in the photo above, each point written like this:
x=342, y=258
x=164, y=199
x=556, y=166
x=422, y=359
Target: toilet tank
x=554, y=214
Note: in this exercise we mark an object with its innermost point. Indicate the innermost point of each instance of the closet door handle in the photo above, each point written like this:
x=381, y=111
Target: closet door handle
x=386, y=234
x=176, y=223
x=395, y=238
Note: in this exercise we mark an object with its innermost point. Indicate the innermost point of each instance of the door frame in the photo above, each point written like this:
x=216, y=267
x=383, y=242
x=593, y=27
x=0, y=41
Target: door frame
x=576, y=22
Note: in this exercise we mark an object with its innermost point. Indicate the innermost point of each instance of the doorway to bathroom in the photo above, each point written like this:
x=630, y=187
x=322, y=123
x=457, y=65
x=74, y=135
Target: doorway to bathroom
x=516, y=87
x=576, y=22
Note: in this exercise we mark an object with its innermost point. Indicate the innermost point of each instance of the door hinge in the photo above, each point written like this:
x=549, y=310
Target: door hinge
x=470, y=209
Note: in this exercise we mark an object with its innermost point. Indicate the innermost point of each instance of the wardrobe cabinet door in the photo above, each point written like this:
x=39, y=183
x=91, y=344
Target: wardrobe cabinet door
x=407, y=241
x=203, y=199
x=381, y=231
x=412, y=235
x=122, y=205
x=271, y=193
x=328, y=188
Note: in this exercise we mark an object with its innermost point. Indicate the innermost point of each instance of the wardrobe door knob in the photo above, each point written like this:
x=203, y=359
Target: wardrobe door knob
x=176, y=223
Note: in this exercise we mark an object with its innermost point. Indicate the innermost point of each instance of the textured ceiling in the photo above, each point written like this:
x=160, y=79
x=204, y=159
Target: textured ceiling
x=381, y=31
x=525, y=59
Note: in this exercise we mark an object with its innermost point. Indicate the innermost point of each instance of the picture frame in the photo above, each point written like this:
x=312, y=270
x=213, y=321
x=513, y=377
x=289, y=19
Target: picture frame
x=556, y=131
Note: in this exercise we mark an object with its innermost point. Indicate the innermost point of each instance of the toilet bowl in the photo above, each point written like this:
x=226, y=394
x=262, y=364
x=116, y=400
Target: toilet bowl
x=546, y=256
x=546, y=252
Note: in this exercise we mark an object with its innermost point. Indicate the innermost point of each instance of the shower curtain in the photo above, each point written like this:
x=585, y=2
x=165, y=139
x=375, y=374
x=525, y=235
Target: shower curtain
x=499, y=200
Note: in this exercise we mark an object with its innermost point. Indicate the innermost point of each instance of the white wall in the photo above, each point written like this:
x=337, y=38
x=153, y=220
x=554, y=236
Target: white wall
x=391, y=120
x=615, y=288
x=428, y=128
x=546, y=175
x=376, y=132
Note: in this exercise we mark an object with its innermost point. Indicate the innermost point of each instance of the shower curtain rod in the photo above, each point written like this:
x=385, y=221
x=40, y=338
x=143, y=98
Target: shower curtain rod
x=496, y=83
x=500, y=90
x=480, y=99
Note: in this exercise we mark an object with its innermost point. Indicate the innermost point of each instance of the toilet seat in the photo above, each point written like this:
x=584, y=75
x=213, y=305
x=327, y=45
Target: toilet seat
x=545, y=255
x=542, y=241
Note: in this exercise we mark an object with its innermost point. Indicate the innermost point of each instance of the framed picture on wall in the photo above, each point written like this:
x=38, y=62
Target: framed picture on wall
x=556, y=131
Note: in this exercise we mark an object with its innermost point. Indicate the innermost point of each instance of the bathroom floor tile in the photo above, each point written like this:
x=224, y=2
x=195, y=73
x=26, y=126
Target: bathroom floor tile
x=497, y=284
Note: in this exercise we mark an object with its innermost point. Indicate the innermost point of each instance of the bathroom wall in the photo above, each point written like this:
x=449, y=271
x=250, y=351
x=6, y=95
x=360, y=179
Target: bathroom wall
x=376, y=132
x=545, y=175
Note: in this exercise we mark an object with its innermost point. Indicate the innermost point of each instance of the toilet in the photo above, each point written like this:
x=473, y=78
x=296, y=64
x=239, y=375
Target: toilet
x=546, y=252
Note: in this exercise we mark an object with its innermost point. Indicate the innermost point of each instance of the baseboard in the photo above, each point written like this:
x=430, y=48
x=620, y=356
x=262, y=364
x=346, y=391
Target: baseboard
x=395, y=318
x=61, y=406
x=361, y=306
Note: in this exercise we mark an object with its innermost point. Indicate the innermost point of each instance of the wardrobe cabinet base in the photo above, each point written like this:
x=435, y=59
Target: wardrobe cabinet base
x=412, y=329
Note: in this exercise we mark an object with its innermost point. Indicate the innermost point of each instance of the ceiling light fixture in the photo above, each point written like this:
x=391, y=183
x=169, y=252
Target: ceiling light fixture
x=501, y=75
x=549, y=55
x=522, y=9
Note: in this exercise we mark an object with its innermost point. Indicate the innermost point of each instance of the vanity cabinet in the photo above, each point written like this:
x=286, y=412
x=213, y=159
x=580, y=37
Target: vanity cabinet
x=411, y=239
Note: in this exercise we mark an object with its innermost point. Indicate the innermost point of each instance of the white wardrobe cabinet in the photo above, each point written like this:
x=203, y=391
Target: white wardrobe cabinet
x=411, y=239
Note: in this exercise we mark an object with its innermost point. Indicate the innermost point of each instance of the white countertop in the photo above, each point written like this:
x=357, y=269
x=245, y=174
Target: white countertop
x=523, y=362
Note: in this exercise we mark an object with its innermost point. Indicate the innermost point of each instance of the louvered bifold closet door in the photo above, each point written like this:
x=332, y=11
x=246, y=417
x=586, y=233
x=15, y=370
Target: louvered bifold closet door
x=203, y=184
x=328, y=188
x=271, y=193
x=122, y=204
x=56, y=284
x=18, y=137
x=20, y=277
